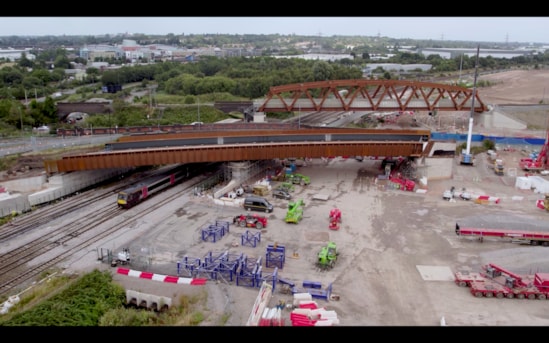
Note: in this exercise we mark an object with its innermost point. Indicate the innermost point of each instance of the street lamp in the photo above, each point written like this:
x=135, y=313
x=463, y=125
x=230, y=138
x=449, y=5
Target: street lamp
x=460, y=66
x=21, y=118
x=198, y=102
x=299, y=118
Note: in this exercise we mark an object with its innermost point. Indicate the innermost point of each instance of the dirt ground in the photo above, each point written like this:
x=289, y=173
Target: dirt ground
x=517, y=87
x=398, y=250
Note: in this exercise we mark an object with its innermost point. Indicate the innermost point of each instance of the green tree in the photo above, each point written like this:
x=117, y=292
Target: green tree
x=322, y=71
x=49, y=110
x=24, y=62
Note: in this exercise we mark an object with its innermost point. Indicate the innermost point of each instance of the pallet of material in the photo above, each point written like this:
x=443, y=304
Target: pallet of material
x=323, y=197
x=261, y=190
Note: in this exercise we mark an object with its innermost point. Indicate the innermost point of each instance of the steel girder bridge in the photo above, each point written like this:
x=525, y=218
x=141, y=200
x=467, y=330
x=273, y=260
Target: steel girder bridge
x=222, y=145
x=369, y=95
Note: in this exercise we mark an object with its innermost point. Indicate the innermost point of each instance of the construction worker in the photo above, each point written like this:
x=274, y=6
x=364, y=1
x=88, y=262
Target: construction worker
x=281, y=304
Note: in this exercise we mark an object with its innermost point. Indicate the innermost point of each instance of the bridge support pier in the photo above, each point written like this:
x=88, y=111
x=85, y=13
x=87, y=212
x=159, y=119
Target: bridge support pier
x=240, y=170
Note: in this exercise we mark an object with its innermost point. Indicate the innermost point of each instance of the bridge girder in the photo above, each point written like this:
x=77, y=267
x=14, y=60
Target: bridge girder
x=369, y=95
x=231, y=152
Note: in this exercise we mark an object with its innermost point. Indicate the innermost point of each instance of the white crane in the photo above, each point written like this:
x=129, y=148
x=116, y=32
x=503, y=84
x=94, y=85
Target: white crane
x=467, y=157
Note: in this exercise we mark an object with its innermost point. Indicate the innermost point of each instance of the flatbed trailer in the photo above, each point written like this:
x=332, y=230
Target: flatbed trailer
x=516, y=236
x=496, y=282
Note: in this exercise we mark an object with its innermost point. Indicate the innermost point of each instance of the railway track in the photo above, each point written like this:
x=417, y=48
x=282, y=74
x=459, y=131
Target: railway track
x=43, y=243
x=71, y=205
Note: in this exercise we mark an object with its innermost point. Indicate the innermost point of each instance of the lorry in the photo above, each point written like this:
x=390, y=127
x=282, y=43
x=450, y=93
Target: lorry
x=530, y=237
x=495, y=281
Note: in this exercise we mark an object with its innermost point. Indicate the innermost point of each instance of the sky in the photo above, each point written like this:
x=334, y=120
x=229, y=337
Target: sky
x=476, y=29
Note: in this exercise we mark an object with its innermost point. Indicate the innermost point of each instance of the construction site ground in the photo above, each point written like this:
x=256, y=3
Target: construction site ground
x=398, y=249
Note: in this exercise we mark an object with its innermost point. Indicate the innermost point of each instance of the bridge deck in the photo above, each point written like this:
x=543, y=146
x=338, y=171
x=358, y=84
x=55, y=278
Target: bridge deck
x=220, y=146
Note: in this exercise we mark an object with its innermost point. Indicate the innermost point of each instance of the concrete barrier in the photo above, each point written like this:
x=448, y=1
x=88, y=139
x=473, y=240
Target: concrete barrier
x=149, y=301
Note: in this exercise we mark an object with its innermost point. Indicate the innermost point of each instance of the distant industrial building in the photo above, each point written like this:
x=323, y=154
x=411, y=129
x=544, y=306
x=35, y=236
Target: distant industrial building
x=495, y=53
x=15, y=54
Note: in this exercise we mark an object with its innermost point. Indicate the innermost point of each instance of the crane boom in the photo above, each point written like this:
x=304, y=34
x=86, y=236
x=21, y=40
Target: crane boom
x=467, y=158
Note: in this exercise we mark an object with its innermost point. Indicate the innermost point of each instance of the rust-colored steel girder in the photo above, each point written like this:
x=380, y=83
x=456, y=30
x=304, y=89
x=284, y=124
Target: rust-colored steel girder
x=369, y=95
x=231, y=152
x=218, y=131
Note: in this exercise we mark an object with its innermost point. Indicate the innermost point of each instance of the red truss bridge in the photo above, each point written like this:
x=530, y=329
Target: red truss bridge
x=369, y=95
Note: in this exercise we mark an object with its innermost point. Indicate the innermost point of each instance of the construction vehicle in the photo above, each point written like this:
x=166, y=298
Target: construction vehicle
x=335, y=218
x=515, y=236
x=298, y=179
x=537, y=161
x=327, y=256
x=402, y=182
x=495, y=281
x=448, y=194
x=123, y=258
x=295, y=211
x=286, y=186
x=543, y=203
x=467, y=157
x=250, y=220
x=397, y=170
x=498, y=167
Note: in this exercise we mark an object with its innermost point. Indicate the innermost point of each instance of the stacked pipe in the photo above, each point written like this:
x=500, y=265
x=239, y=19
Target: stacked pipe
x=271, y=317
x=309, y=314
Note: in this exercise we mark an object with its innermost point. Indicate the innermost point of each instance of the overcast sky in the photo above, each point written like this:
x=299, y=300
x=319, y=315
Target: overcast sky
x=478, y=29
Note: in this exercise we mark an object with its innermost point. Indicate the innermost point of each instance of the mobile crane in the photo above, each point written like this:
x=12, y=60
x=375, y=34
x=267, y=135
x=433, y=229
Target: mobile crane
x=466, y=156
x=520, y=236
x=495, y=281
x=540, y=161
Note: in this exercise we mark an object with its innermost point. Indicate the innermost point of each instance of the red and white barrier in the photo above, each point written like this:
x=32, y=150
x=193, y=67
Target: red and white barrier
x=162, y=278
x=487, y=198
